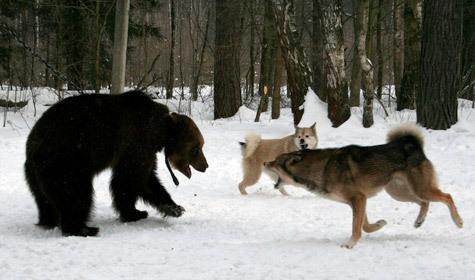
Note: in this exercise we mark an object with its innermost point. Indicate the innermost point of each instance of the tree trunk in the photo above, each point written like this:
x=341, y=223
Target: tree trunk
x=250, y=77
x=440, y=63
x=120, y=46
x=59, y=30
x=35, y=43
x=267, y=54
x=319, y=80
x=398, y=44
x=200, y=58
x=97, y=56
x=379, y=50
x=371, y=29
x=9, y=67
x=194, y=22
x=336, y=86
x=366, y=66
x=74, y=40
x=180, y=50
x=171, y=61
x=227, y=88
x=279, y=67
x=48, y=47
x=355, y=83
x=299, y=74
x=468, y=47
x=261, y=103
x=24, y=33
x=410, y=86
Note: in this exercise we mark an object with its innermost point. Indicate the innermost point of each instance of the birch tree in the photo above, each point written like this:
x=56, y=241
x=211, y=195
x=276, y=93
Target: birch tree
x=334, y=69
x=366, y=66
x=120, y=46
x=299, y=76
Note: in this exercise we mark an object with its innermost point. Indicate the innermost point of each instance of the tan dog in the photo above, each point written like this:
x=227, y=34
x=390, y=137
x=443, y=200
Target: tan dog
x=256, y=151
x=353, y=174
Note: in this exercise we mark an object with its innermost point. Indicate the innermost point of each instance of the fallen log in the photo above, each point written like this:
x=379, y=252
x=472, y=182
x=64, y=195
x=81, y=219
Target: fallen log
x=10, y=104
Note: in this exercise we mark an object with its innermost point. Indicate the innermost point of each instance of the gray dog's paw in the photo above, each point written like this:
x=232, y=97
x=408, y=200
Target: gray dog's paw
x=171, y=210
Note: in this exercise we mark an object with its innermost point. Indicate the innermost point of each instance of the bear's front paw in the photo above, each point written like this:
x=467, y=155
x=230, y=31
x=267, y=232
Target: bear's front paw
x=171, y=210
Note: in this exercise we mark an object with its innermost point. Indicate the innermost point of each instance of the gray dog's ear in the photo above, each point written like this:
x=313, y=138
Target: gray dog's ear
x=294, y=159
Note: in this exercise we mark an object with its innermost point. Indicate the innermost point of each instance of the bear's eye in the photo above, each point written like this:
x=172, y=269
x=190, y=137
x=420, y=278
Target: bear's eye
x=195, y=151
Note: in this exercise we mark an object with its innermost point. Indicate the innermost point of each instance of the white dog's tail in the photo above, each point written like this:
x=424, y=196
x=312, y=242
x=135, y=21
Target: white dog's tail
x=248, y=148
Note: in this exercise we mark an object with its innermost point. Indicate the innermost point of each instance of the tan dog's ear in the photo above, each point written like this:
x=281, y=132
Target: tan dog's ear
x=313, y=125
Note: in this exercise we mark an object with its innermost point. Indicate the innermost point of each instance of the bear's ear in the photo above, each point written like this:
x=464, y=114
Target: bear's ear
x=176, y=123
x=174, y=117
x=159, y=113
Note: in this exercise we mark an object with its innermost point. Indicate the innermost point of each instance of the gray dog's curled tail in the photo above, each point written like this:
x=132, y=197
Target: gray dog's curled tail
x=407, y=130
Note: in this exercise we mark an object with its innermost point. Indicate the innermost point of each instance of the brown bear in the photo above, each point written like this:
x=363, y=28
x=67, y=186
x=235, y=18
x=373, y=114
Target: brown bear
x=80, y=136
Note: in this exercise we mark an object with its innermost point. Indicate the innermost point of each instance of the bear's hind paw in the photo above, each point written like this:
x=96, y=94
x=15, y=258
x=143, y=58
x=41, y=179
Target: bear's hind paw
x=171, y=210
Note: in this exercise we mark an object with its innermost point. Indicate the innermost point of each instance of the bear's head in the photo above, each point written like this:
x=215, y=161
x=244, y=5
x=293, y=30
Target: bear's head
x=185, y=145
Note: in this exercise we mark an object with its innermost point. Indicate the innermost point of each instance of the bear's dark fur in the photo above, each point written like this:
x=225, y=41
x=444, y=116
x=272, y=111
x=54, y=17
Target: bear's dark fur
x=80, y=136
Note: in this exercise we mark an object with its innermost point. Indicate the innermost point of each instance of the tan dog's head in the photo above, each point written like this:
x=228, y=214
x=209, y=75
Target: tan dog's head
x=185, y=146
x=306, y=137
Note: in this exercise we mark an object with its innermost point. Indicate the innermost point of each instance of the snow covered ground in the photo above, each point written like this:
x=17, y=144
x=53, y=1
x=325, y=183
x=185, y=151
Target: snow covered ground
x=265, y=235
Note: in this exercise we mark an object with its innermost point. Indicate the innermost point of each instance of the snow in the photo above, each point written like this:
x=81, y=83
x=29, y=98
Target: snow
x=265, y=235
